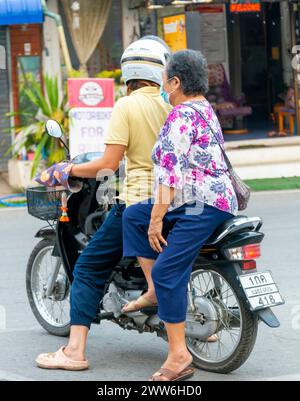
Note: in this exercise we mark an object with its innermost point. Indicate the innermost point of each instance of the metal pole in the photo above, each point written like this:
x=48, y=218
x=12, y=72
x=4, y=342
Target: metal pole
x=61, y=33
x=293, y=8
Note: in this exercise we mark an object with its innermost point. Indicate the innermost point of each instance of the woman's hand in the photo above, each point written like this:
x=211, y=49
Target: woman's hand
x=162, y=202
x=155, y=235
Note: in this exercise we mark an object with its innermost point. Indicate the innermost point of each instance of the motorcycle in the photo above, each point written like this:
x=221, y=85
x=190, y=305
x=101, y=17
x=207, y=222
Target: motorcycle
x=227, y=295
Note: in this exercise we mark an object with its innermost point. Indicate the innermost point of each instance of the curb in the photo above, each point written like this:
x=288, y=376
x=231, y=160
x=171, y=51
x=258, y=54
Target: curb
x=276, y=191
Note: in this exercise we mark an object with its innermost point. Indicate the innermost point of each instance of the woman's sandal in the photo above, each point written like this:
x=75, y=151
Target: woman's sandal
x=173, y=376
x=137, y=304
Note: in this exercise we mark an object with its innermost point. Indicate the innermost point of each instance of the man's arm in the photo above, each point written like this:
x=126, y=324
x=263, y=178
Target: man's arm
x=111, y=159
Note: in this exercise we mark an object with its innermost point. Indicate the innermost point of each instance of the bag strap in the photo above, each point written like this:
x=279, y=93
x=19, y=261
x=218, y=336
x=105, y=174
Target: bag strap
x=229, y=165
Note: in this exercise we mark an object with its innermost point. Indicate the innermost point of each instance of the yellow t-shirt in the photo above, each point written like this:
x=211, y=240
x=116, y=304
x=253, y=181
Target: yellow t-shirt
x=136, y=122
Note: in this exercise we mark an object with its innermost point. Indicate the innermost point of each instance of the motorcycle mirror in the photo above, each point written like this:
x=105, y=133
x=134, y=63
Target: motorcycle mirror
x=54, y=129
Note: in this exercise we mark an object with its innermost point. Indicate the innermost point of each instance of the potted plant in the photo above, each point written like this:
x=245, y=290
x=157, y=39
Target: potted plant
x=31, y=148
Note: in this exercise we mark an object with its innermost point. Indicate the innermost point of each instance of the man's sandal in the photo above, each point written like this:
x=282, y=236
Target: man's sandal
x=137, y=304
x=58, y=360
x=173, y=376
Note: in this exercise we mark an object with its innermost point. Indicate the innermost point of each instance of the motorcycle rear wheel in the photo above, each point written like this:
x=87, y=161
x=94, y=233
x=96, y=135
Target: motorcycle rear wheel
x=244, y=337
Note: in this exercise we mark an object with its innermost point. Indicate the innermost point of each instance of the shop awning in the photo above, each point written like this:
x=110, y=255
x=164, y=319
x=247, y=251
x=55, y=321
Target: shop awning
x=20, y=12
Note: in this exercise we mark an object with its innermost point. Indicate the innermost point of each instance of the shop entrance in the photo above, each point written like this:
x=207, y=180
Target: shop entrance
x=260, y=77
x=26, y=51
x=254, y=63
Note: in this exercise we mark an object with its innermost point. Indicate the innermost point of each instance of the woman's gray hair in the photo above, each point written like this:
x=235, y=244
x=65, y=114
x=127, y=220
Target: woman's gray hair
x=190, y=66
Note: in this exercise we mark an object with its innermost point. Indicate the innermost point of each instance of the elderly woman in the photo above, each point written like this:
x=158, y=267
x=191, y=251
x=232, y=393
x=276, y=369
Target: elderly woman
x=193, y=195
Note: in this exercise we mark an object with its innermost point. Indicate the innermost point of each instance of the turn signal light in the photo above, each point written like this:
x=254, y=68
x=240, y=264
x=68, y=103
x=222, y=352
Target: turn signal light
x=246, y=252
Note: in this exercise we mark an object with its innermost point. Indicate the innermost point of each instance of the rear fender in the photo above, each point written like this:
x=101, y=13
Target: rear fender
x=268, y=317
x=265, y=315
x=231, y=271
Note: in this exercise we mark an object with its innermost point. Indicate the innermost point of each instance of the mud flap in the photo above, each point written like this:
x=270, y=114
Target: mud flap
x=268, y=317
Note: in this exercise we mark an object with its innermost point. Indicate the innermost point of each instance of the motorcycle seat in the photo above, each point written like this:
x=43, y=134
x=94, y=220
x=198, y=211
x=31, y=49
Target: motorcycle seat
x=230, y=226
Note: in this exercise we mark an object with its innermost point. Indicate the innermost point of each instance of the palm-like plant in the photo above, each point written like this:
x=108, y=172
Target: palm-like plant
x=48, y=104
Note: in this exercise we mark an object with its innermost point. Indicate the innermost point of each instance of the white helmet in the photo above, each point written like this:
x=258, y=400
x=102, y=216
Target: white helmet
x=145, y=59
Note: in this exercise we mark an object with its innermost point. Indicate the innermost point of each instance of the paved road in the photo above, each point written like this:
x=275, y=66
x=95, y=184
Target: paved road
x=121, y=355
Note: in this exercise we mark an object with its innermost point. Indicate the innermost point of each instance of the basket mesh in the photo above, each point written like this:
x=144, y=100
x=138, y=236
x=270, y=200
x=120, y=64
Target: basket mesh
x=44, y=203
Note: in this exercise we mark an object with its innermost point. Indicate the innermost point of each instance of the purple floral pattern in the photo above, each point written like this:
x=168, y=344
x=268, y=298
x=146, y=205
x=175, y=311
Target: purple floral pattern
x=187, y=157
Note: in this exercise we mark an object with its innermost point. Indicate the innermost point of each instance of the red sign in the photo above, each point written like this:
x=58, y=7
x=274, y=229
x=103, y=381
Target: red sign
x=245, y=8
x=210, y=9
x=91, y=92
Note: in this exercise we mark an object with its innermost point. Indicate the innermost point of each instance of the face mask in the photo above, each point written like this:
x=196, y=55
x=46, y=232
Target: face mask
x=165, y=95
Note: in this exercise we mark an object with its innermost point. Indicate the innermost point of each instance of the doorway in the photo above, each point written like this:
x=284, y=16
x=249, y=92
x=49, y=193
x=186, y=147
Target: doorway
x=259, y=61
x=26, y=52
x=254, y=62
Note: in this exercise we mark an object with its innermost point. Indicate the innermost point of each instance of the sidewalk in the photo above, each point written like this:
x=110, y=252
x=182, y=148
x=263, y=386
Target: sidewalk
x=260, y=158
x=5, y=189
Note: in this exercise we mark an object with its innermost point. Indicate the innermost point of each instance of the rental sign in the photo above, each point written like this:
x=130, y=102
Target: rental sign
x=91, y=102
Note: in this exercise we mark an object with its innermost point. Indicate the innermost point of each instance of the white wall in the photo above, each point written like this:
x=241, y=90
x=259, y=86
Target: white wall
x=2, y=58
x=51, y=53
x=130, y=24
x=202, y=33
x=286, y=43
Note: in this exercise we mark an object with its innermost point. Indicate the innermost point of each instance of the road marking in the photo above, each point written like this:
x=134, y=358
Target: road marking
x=8, y=376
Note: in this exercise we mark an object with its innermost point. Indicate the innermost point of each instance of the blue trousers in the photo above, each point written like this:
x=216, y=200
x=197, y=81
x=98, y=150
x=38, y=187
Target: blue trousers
x=93, y=268
x=186, y=233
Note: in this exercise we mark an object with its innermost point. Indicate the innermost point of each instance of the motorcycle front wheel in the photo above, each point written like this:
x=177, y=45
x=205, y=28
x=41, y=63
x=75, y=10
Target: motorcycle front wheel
x=236, y=327
x=50, y=308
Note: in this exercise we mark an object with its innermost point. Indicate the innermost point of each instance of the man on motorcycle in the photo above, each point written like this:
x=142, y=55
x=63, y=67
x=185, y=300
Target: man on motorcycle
x=135, y=123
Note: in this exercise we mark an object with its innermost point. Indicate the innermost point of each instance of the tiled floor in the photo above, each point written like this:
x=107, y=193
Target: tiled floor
x=257, y=129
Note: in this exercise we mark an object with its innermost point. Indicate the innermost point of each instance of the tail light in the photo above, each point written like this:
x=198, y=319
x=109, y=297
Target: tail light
x=246, y=252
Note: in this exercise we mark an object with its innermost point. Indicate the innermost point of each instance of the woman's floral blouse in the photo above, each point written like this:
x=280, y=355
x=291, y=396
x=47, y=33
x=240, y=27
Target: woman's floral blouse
x=187, y=157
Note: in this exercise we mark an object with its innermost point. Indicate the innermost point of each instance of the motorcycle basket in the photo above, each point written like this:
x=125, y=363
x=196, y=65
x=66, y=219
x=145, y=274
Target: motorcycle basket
x=44, y=203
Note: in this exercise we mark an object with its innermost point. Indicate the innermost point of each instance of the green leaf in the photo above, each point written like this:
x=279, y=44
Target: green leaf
x=24, y=138
x=38, y=155
x=52, y=92
x=36, y=96
x=17, y=114
x=38, y=107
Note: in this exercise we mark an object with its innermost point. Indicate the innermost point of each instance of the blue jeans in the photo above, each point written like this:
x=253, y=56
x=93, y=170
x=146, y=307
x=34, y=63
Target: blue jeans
x=94, y=267
x=186, y=234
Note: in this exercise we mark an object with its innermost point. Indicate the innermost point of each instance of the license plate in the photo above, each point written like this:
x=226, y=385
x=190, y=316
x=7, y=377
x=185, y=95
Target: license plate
x=261, y=290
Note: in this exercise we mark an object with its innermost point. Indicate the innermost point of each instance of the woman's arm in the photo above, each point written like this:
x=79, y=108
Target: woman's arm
x=163, y=199
x=110, y=161
x=173, y=147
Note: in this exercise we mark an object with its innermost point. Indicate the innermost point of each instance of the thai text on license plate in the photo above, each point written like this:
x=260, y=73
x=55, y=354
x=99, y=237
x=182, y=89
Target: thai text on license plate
x=261, y=290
